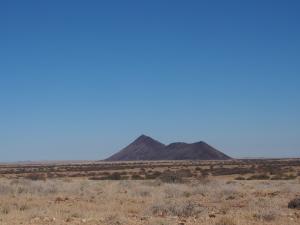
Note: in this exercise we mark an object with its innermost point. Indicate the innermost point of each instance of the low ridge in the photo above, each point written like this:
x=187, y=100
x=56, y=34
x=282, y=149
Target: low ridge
x=146, y=148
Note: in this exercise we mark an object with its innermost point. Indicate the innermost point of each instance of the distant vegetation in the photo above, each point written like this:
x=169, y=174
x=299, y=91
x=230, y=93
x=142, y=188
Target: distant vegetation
x=172, y=170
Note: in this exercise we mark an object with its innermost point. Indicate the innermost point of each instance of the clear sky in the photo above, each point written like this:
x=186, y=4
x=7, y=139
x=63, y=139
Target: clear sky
x=82, y=79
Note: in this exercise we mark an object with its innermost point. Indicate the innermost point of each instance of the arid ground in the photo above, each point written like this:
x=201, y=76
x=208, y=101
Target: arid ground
x=238, y=192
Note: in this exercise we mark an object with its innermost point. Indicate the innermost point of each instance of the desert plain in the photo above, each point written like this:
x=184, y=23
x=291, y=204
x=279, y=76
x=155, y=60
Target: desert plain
x=231, y=192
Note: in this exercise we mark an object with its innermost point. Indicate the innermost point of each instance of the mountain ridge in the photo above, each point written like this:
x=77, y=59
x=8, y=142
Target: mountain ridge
x=147, y=148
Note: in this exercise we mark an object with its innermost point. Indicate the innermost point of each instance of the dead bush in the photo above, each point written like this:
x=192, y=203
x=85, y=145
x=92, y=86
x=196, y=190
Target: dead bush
x=115, y=220
x=36, y=176
x=5, y=209
x=225, y=221
x=203, y=179
x=23, y=207
x=153, y=175
x=185, y=173
x=283, y=177
x=186, y=209
x=267, y=215
x=198, y=168
x=171, y=177
x=294, y=204
x=113, y=176
x=5, y=189
x=231, y=171
x=259, y=177
x=136, y=177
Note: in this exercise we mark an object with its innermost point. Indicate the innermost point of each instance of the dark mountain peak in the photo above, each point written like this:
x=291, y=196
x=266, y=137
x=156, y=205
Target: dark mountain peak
x=146, y=148
x=143, y=138
x=143, y=148
x=146, y=140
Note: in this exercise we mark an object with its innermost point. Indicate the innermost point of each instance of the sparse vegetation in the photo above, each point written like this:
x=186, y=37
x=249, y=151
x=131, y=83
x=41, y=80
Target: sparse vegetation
x=259, y=177
x=151, y=193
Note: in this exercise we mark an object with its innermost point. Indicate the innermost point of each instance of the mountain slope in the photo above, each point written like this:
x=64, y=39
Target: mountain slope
x=198, y=150
x=146, y=148
x=143, y=148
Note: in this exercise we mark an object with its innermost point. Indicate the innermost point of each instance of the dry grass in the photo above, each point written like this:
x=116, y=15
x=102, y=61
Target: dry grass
x=244, y=192
x=213, y=202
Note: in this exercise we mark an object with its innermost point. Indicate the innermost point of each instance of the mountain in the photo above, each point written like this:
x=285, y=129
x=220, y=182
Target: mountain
x=143, y=148
x=146, y=148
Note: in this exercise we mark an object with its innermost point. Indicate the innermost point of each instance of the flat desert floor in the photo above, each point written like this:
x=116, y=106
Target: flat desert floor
x=167, y=200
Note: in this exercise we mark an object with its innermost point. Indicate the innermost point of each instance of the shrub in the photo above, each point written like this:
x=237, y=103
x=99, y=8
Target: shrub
x=115, y=220
x=5, y=189
x=114, y=176
x=152, y=176
x=204, y=173
x=265, y=216
x=36, y=176
x=283, y=177
x=203, y=179
x=198, y=169
x=294, y=204
x=23, y=207
x=225, y=221
x=96, y=178
x=265, y=212
x=184, y=173
x=136, y=177
x=231, y=171
x=186, y=209
x=5, y=210
x=171, y=177
x=259, y=177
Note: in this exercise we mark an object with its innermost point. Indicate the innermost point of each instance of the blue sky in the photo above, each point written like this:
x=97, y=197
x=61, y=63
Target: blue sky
x=81, y=79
